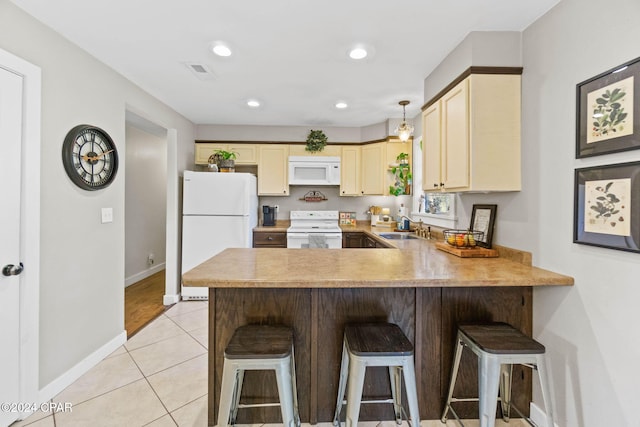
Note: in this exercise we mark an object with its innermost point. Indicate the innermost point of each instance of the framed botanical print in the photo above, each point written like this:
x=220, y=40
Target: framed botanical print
x=607, y=206
x=608, y=111
x=483, y=218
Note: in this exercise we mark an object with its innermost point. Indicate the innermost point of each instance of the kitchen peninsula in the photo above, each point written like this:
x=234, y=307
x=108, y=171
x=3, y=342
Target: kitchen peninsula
x=425, y=291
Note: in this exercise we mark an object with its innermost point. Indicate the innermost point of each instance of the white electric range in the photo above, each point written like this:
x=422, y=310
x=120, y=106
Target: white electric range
x=314, y=229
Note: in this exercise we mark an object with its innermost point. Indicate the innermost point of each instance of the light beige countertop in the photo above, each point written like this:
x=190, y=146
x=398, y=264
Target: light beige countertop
x=408, y=263
x=281, y=226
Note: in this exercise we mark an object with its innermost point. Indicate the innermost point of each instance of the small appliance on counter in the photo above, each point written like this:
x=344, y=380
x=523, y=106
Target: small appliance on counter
x=374, y=211
x=269, y=215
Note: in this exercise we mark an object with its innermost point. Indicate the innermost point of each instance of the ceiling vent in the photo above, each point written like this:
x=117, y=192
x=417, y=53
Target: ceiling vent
x=201, y=71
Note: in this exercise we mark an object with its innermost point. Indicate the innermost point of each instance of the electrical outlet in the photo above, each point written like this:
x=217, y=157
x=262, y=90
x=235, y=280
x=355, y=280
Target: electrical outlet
x=277, y=207
x=151, y=259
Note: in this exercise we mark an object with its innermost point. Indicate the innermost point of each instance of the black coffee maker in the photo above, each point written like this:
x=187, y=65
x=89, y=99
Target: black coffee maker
x=268, y=215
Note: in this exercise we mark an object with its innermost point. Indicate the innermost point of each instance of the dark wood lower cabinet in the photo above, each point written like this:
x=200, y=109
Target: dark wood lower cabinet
x=357, y=239
x=428, y=316
x=352, y=239
x=269, y=239
x=368, y=242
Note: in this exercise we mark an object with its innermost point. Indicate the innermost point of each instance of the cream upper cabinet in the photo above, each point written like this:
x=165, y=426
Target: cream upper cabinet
x=273, y=170
x=350, y=180
x=477, y=125
x=246, y=154
x=373, y=169
x=205, y=149
x=329, y=150
x=431, y=137
x=454, y=154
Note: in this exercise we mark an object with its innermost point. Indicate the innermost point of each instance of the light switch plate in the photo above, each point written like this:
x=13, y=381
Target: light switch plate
x=107, y=215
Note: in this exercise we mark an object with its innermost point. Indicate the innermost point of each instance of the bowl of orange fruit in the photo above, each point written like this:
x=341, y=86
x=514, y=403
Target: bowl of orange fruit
x=462, y=238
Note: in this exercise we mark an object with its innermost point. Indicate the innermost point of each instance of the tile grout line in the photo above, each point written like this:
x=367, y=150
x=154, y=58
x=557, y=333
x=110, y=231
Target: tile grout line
x=187, y=332
x=154, y=392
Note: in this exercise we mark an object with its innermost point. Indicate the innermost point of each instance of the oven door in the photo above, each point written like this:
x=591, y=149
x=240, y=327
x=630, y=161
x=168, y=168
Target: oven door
x=314, y=240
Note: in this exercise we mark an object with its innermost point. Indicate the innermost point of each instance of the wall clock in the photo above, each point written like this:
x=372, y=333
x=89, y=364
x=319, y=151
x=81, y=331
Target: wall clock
x=90, y=157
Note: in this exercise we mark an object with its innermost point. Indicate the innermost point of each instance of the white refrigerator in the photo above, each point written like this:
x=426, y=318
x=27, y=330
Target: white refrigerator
x=219, y=211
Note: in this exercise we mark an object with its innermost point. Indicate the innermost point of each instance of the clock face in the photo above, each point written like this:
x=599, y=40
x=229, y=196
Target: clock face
x=89, y=157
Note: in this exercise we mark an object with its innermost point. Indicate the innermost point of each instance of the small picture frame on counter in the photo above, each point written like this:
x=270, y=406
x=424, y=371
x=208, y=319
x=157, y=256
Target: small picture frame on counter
x=483, y=218
x=607, y=206
x=348, y=218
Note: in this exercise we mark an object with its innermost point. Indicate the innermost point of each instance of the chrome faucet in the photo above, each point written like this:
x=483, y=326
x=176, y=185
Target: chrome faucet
x=419, y=230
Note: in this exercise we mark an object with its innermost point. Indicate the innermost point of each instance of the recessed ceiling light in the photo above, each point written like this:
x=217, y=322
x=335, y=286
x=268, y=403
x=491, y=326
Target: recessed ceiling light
x=253, y=103
x=358, y=53
x=221, y=49
x=341, y=105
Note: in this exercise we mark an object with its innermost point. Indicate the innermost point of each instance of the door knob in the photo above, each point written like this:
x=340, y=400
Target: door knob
x=12, y=270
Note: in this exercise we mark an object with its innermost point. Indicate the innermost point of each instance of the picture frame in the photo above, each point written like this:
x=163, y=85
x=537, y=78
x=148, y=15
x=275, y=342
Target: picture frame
x=483, y=218
x=607, y=206
x=608, y=111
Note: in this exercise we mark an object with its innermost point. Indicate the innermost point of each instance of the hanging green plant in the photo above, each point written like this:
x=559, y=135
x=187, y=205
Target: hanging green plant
x=402, y=176
x=316, y=141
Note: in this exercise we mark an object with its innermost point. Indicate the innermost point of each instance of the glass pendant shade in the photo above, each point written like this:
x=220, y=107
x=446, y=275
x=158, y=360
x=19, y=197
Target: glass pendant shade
x=404, y=129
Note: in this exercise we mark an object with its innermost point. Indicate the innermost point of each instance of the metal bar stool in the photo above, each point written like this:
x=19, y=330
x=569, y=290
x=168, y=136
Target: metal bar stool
x=259, y=347
x=376, y=344
x=498, y=347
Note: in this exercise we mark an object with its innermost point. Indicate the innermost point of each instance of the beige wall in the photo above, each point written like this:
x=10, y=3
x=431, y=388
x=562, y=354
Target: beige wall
x=82, y=260
x=590, y=329
x=479, y=48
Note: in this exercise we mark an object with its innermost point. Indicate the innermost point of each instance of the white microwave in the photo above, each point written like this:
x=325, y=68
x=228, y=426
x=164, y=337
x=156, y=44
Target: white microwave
x=314, y=170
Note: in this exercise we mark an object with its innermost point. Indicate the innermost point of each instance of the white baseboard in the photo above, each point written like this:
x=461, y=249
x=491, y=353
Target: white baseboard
x=63, y=381
x=538, y=416
x=143, y=274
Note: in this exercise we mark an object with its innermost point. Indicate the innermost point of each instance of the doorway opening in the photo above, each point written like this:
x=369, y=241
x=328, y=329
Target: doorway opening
x=145, y=222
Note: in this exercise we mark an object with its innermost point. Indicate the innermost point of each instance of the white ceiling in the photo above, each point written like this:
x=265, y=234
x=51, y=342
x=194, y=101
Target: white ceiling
x=289, y=54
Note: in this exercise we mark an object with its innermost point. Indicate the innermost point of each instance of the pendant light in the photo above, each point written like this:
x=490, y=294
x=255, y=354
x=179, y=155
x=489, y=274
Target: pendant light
x=404, y=129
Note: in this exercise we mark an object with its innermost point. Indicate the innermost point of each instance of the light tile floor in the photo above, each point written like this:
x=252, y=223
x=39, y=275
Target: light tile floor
x=157, y=379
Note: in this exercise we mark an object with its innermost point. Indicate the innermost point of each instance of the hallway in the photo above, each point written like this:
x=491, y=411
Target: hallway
x=143, y=302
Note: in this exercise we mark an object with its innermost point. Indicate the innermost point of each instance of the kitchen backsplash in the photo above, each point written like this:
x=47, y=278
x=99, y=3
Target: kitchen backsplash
x=360, y=205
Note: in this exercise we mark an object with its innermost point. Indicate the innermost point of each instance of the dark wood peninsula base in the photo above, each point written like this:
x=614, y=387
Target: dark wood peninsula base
x=428, y=316
x=317, y=291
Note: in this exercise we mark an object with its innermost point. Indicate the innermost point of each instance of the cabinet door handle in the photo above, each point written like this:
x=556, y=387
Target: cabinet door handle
x=435, y=185
x=269, y=238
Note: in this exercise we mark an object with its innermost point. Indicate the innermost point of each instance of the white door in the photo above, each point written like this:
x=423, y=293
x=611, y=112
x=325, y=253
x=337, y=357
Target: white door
x=10, y=147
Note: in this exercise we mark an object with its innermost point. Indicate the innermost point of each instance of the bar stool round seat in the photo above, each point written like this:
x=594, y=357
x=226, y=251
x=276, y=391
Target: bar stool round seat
x=259, y=347
x=498, y=347
x=376, y=344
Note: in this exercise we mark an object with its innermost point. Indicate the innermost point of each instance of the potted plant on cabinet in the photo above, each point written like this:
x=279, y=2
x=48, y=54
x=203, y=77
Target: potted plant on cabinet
x=226, y=160
x=402, y=176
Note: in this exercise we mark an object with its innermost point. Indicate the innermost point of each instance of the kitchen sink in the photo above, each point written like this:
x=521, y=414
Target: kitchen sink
x=398, y=236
